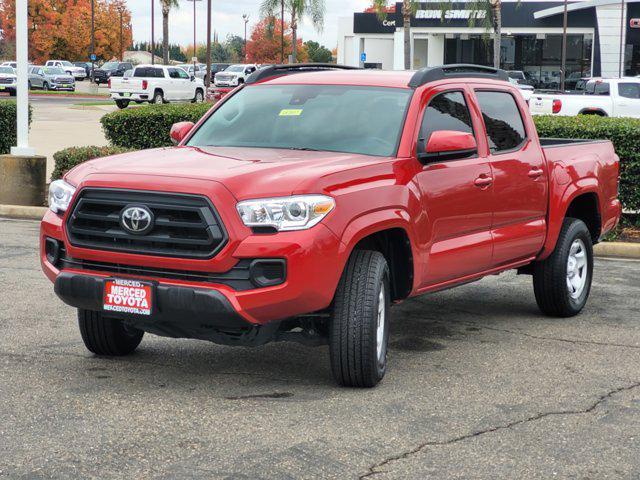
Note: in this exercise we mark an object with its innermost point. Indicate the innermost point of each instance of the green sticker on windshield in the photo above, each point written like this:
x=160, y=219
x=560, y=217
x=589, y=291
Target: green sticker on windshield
x=291, y=112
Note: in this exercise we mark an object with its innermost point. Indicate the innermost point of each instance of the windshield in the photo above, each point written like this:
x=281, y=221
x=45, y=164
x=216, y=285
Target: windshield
x=6, y=70
x=235, y=68
x=337, y=118
x=54, y=71
x=110, y=66
x=66, y=63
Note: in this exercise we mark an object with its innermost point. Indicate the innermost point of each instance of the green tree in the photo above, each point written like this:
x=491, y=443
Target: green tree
x=318, y=53
x=167, y=5
x=297, y=9
x=235, y=46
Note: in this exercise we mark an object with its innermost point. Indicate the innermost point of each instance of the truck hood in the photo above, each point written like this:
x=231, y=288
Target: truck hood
x=246, y=172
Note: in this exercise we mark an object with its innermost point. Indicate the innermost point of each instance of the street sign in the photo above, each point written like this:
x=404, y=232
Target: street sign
x=363, y=57
x=93, y=57
x=194, y=59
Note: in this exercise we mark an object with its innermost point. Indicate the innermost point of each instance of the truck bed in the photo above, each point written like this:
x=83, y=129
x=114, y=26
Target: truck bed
x=559, y=142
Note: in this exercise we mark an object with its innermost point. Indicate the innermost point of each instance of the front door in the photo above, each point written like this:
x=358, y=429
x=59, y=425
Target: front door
x=519, y=177
x=456, y=196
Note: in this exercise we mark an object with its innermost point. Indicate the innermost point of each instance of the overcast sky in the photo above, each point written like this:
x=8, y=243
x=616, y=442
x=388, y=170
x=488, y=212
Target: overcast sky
x=227, y=18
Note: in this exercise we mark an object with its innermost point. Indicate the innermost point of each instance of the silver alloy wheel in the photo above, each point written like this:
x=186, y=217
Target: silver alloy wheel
x=199, y=97
x=577, y=270
x=380, y=327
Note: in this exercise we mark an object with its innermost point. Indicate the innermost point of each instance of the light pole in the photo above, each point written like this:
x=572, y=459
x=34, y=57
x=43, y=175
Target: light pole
x=195, y=55
x=281, y=31
x=207, y=77
x=22, y=96
x=153, y=46
x=563, y=68
x=622, y=34
x=245, y=17
x=93, y=37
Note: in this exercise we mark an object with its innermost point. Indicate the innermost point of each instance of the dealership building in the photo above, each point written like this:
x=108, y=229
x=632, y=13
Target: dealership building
x=598, y=31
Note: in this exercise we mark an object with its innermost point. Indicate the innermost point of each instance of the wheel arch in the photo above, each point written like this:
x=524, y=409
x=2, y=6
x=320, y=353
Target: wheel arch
x=388, y=232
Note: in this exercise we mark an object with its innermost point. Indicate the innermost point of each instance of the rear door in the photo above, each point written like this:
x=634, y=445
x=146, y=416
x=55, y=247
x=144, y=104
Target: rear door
x=455, y=194
x=628, y=101
x=519, y=176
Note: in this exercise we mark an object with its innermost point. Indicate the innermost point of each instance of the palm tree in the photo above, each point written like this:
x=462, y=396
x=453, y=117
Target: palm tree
x=298, y=9
x=490, y=14
x=166, y=6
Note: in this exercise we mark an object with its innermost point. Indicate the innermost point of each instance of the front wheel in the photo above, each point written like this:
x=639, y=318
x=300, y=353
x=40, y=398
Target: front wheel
x=122, y=104
x=199, y=97
x=562, y=282
x=45, y=86
x=107, y=336
x=359, y=331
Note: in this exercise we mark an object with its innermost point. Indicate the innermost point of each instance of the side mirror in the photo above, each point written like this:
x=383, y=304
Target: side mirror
x=179, y=131
x=193, y=78
x=447, y=145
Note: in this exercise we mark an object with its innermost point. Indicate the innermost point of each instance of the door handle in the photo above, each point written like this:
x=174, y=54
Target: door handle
x=483, y=181
x=535, y=172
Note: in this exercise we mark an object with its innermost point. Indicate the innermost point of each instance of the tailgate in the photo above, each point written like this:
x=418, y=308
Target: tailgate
x=541, y=105
x=126, y=84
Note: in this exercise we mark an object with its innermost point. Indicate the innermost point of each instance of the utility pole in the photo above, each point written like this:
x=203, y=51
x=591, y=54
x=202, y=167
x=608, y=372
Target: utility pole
x=245, y=17
x=93, y=36
x=195, y=55
x=208, y=73
x=281, y=31
x=153, y=46
x=622, y=32
x=121, y=11
x=563, y=68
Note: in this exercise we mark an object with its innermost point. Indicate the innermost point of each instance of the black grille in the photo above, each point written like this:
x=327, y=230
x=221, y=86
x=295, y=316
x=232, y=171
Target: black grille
x=185, y=226
x=6, y=81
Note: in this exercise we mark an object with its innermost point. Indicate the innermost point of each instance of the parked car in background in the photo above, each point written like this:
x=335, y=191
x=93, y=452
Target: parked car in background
x=8, y=80
x=199, y=71
x=520, y=77
x=50, y=78
x=86, y=66
x=110, y=69
x=615, y=97
x=234, y=75
x=303, y=207
x=156, y=84
x=79, y=73
x=13, y=65
x=219, y=67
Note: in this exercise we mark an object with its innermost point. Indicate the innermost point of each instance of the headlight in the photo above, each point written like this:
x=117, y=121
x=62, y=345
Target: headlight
x=286, y=213
x=60, y=193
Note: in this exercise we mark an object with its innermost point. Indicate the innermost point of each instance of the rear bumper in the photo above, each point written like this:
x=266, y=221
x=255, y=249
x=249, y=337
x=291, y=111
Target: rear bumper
x=135, y=97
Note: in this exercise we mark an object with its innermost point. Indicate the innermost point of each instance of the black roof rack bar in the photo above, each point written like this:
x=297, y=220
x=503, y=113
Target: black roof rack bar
x=456, y=70
x=286, y=69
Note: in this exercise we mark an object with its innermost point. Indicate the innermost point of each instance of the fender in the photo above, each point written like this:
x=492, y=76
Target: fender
x=377, y=221
x=558, y=210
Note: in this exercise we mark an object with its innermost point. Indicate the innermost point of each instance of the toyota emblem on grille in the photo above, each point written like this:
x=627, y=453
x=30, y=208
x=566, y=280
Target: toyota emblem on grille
x=136, y=219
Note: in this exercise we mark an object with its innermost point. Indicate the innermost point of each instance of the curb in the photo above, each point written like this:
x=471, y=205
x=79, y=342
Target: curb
x=604, y=249
x=22, y=211
x=617, y=250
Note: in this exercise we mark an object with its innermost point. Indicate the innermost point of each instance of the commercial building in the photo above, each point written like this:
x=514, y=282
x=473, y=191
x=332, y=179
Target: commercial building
x=598, y=31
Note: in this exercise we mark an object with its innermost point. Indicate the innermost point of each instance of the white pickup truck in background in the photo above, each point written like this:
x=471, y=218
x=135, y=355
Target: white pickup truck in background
x=607, y=97
x=155, y=84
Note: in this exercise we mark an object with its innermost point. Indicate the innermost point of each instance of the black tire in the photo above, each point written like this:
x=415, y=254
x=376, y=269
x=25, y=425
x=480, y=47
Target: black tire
x=550, y=276
x=158, y=98
x=353, y=335
x=45, y=86
x=122, y=104
x=107, y=336
x=12, y=93
x=198, y=97
x=29, y=84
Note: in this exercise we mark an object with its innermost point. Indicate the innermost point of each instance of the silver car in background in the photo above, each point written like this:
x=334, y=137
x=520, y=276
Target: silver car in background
x=8, y=80
x=51, y=78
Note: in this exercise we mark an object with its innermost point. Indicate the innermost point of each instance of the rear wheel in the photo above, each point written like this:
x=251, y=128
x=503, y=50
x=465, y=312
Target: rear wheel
x=158, y=98
x=562, y=282
x=360, y=321
x=107, y=336
x=199, y=97
x=122, y=104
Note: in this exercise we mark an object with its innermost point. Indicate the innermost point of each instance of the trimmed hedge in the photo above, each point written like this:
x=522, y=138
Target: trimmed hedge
x=148, y=126
x=623, y=132
x=68, y=158
x=8, y=133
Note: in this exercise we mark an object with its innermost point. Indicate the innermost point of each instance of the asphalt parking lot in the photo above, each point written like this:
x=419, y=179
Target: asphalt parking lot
x=480, y=385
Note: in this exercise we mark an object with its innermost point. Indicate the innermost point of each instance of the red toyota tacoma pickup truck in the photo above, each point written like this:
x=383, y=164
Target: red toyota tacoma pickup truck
x=312, y=198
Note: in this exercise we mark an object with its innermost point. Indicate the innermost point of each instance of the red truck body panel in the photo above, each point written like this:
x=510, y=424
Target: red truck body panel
x=458, y=227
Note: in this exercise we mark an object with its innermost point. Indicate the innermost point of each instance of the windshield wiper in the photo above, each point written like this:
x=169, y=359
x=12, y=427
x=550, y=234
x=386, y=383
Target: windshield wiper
x=304, y=149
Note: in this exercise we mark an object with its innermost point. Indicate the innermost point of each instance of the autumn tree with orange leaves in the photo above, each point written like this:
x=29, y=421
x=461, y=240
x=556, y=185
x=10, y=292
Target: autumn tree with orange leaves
x=61, y=29
x=264, y=45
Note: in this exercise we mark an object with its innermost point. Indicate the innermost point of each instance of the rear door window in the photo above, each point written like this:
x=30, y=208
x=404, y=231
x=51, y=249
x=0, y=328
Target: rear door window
x=629, y=90
x=502, y=120
x=446, y=111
